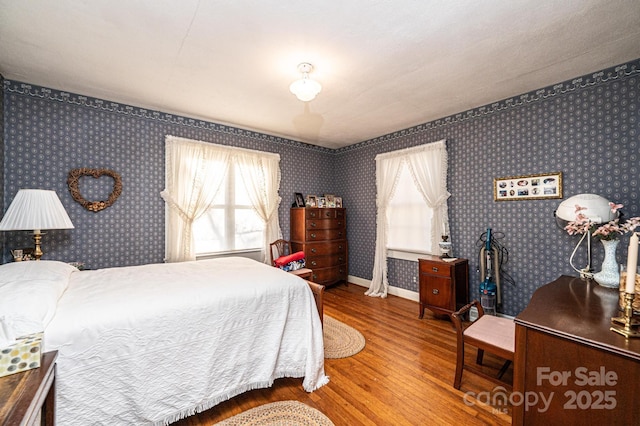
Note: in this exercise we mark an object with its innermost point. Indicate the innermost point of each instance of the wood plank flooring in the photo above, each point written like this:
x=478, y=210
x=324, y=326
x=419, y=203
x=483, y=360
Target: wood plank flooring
x=403, y=376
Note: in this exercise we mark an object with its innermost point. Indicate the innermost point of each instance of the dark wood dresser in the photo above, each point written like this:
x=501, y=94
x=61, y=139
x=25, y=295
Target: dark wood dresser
x=566, y=352
x=322, y=234
x=444, y=286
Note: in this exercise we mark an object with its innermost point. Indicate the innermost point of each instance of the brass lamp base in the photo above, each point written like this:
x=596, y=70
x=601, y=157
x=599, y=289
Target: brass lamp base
x=37, y=239
x=626, y=324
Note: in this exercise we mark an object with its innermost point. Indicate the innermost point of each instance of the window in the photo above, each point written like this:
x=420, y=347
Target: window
x=409, y=219
x=231, y=223
x=411, y=191
x=219, y=199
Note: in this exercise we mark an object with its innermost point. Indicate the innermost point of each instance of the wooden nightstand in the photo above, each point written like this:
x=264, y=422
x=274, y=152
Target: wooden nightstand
x=25, y=395
x=444, y=286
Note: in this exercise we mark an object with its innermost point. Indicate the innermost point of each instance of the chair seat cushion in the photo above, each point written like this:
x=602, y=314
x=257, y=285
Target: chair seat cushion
x=496, y=331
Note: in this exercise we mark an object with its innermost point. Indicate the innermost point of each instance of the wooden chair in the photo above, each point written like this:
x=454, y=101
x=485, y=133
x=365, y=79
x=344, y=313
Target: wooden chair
x=487, y=333
x=282, y=248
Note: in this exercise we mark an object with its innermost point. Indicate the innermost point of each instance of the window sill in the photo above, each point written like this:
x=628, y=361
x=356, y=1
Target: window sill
x=255, y=254
x=406, y=255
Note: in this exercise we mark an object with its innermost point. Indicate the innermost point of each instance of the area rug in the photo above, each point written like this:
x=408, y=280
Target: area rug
x=341, y=340
x=281, y=413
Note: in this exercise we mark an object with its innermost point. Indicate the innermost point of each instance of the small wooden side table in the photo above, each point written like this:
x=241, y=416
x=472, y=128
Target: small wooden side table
x=443, y=286
x=24, y=395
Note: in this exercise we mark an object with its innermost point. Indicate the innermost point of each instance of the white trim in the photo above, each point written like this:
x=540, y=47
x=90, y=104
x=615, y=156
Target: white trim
x=255, y=254
x=412, y=295
x=407, y=255
x=395, y=291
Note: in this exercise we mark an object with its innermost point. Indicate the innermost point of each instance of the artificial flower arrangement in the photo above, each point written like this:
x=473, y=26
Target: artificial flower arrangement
x=607, y=231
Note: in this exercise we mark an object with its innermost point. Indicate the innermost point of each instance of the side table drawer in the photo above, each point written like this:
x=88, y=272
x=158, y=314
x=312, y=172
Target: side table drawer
x=435, y=268
x=437, y=292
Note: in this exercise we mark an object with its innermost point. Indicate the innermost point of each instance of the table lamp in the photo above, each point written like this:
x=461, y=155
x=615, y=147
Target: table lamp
x=35, y=210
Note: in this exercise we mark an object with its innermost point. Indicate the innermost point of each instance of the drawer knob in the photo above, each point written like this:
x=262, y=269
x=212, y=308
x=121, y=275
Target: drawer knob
x=313, y=250
x=339, y=234
x=435, y=269
x=339, y=223
x=340, y=259
x=315, y=277
x=313, y=224
x=435, y=291
x=313, y=214
x=314, y=263
x=313, y=235
x=328, y=214
x=339, y=247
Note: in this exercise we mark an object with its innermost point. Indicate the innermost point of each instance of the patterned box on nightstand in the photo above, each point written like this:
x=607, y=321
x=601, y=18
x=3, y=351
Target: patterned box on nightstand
x=23, y=355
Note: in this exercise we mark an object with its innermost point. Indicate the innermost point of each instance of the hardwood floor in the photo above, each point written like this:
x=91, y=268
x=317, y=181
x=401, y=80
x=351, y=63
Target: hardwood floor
x=403, y=376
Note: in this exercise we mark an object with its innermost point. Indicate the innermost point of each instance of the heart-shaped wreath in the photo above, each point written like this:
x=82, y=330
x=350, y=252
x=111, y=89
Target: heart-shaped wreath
x=94, y=206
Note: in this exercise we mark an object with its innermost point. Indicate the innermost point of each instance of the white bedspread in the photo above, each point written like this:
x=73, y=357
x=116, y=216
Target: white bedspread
x=155, y=343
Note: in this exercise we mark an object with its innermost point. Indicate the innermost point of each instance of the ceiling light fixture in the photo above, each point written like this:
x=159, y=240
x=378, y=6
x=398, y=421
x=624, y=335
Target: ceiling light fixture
x=305, y=89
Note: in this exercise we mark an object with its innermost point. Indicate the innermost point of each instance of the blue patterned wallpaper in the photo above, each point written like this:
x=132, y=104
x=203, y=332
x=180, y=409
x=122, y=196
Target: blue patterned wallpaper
x=588, y=128
x=49, y=133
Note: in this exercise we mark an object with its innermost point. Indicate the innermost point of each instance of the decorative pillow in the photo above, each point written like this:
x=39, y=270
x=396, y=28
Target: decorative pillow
x=284, y=260
x=29, y=293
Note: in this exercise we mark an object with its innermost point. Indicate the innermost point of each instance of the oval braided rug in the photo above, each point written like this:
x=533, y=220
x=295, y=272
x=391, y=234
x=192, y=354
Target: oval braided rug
x=281, y=413
x=341, y=340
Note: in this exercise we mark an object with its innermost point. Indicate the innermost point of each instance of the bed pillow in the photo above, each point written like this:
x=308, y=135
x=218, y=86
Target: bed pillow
x=29, y=293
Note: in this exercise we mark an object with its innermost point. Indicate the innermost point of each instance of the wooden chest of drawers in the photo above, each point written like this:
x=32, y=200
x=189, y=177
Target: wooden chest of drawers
x=444, y=286
x=322, y=234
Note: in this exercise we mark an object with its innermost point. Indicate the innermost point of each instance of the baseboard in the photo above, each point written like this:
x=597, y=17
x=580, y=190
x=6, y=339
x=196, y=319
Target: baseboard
x=410, y=295
x=394, y=291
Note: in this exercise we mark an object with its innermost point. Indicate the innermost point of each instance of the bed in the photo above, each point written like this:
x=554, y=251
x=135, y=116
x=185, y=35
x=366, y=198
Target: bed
x=152, y=344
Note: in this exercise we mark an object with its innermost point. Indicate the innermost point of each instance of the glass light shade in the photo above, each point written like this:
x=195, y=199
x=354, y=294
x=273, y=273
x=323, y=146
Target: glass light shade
x=35, y=209
x=596, y=208
x=305, y=89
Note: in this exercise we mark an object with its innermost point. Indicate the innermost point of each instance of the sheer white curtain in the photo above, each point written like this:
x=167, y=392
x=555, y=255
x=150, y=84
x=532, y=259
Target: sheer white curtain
x=261, y=177
x=195, y=171
x=428, y=165
x=387, y=172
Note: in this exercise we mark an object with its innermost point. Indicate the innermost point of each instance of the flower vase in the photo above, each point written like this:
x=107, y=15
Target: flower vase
x=609, y=276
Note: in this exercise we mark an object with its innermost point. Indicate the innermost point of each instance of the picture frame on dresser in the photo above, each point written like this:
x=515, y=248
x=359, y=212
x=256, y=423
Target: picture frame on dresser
x=338, y=202
x=331, y=200
x=322, y=202
x=299, y=199
x=311, y=201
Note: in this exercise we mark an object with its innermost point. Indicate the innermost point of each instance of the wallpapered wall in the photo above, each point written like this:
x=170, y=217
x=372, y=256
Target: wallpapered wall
x=49, y=133
x=588, y=128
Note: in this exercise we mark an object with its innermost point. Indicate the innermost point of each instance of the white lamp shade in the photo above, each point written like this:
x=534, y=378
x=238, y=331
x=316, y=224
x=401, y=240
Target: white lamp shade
x=35, y=209
x=597, y=208
x=305, y=89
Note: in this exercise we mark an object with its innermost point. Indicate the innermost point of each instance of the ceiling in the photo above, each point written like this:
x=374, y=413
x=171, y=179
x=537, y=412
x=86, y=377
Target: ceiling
x=384, y=65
